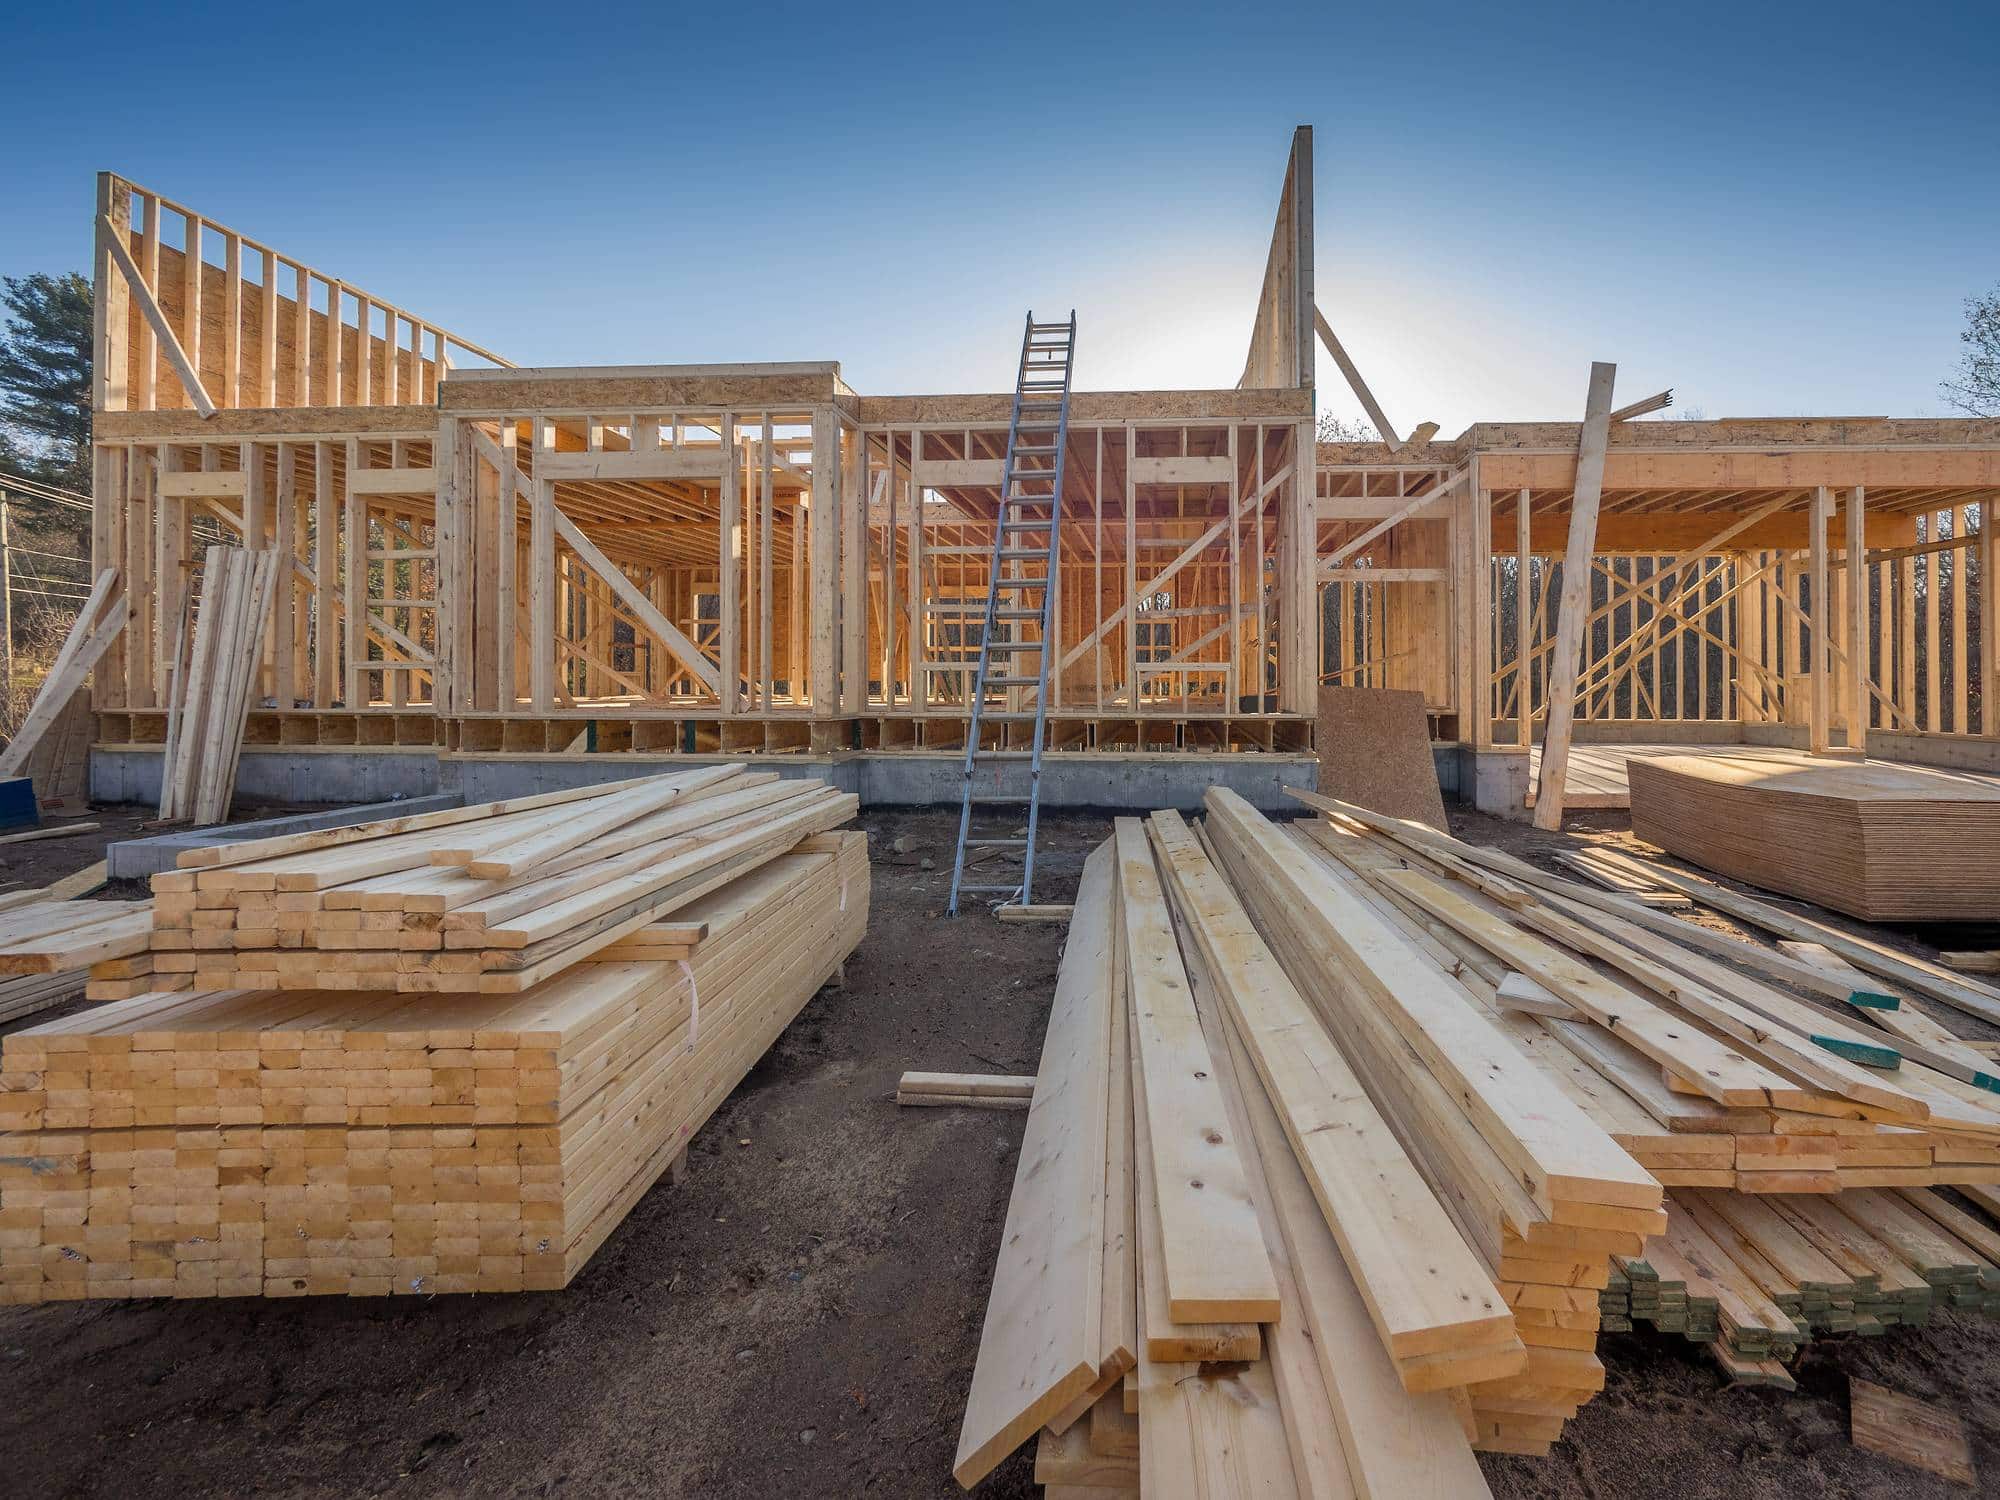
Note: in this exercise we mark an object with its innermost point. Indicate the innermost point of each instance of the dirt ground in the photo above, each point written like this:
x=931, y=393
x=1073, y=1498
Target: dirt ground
x=800, y=1316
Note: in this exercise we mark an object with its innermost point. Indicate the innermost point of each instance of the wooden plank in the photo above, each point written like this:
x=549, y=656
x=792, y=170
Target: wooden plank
x=1909, y=1431
x=683, y=649
x=518, y=857
x=1575, y=600
x=1213, y=1252
x=1212, y=470
x=178, y=356
x=1557, y=1152
x=1426, y=1291
x=1039, y=1348
x=97, y=624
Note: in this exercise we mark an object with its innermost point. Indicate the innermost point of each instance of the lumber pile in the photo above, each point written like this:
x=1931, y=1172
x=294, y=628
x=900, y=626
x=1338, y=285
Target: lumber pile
x=1881, y=842
x=1759, y=1276
x=46, y=942
x=303, y=1141
x=490, y=900
x=1717, y=1063
x=214, y=672
x=1346, y=1131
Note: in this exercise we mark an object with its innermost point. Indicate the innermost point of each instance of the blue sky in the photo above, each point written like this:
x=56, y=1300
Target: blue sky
x=1777, y=209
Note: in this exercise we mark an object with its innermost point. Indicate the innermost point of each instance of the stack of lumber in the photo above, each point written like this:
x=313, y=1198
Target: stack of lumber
x=1223, y=1263
x=487, y=900
x=1881, y=842
x=1761, y=1275
x=287, y=1142
x=1718, y=1063
x=47, y=941
x=214, y=672
x=1346, y=1130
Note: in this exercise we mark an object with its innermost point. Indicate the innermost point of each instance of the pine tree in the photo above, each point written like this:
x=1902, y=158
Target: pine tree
x=45, y=359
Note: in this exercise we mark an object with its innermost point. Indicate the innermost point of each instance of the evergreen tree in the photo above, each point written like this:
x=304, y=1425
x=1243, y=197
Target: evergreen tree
x=45, y=359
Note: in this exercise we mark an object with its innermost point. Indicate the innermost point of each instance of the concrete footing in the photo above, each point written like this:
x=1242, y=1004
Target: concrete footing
x=1495, y=781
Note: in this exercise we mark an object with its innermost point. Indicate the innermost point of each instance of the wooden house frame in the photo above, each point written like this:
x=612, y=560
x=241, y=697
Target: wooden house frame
x=755, y=557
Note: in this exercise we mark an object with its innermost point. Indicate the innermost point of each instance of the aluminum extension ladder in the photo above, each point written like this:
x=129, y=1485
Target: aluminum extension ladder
x=1019, y=593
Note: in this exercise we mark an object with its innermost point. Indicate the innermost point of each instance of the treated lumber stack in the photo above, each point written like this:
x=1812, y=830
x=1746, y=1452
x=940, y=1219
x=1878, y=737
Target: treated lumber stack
x=1761, y=1276
x=308, y=1140
x=489, y=900
x=1881, y=842
x=213, y=675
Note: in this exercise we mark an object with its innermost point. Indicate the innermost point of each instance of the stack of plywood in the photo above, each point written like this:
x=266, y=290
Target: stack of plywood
x=285, y=1142
x=1882, y=842
x=449, y=903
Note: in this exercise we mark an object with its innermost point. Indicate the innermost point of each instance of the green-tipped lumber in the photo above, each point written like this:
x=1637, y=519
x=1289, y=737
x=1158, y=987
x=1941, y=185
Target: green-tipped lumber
x=1864, y=1053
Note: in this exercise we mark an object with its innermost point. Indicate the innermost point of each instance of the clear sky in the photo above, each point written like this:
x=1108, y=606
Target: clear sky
x=1778, y=209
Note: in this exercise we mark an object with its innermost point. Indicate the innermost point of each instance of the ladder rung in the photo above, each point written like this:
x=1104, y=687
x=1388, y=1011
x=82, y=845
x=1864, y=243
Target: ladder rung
x=994, y=682
x=1021, y=583
x=1012, y=554
x=1003, y=755
x=1015, y=887
x=1017, y=614
x=996, y=843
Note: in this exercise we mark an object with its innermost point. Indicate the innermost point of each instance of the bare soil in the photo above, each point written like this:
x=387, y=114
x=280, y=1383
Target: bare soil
x=800, y=1316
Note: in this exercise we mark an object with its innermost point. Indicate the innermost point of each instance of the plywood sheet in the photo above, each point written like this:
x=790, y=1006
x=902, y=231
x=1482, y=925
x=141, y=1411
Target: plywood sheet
x=1375, y=751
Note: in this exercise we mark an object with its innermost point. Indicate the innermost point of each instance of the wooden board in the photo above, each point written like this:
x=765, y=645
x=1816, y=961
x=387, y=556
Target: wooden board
x=1215, y=1266
x=1910, y=1431
x=1375, y=750
x=1040, y=1347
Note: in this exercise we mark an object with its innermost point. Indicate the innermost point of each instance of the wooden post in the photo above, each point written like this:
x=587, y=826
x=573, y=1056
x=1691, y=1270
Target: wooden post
x=6, y=613
x=1582, y=546
x=1857, y=621
x=110, y=316
x=1478, y=601
x=823, y=597
x=729, y=565
x=1817, y=732
x=1989, y=623
x=1524, y=702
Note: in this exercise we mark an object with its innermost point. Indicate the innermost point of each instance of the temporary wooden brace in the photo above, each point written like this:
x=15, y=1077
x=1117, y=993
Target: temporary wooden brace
x=1575, y=595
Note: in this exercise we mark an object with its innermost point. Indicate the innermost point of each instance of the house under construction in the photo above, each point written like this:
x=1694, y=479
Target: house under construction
x=493, y=566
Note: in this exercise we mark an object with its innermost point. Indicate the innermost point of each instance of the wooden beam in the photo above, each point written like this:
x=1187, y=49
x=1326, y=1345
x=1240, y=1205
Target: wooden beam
x=1818, y=612
x=1394, y=518
x=1380, y=418
x=669, y=635
x=1575, y=600
x=156, y=318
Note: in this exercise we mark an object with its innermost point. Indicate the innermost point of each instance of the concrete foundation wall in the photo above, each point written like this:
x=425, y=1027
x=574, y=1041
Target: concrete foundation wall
x=1121, y=782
